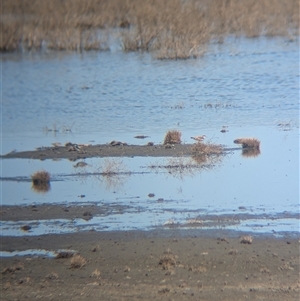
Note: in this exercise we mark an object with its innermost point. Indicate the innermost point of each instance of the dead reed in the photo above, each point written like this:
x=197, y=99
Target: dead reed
x=250, y=143
x=172, y=137
x=247, y=239
x=77, y=262
x=168, y=260
x=201, y=149
x=172, y=29
x=41, y=181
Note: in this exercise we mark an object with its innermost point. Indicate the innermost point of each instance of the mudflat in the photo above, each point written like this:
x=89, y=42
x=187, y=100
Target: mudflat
x=114, y=149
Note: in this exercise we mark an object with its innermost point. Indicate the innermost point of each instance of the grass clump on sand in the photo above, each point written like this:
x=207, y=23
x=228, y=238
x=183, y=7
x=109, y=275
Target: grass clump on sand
x=248, y=142
x=168, y=260
x=247, y=239
x=172, y=137
x=41, y=181
x=77, y=262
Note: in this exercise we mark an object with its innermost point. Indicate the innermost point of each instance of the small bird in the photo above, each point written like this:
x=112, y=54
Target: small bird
x=199, y=138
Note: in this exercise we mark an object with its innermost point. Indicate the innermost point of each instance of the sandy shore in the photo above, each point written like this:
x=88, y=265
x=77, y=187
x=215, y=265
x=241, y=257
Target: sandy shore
x=158, y=265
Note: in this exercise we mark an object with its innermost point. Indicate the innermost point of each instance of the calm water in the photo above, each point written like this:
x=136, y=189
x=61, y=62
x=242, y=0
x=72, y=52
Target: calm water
x=250, y=86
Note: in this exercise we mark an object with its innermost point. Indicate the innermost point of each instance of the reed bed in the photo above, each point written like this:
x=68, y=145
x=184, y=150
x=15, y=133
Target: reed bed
x=171, y=29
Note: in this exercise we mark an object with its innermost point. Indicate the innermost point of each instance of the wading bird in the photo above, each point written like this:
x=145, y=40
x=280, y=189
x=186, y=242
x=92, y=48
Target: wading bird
x=199, y=138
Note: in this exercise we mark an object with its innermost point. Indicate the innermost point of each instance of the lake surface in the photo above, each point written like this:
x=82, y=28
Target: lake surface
x=248, y=87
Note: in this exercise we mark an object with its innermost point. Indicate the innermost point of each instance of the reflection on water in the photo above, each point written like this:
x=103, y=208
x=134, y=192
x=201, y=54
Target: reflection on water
x=253, y=93
x=265, y=184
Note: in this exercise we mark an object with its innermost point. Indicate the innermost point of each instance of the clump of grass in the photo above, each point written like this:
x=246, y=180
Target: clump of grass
x=197, y=269
x=41, y=181
x=233, y=252
x=96, y=274
x=251, y=143
x=168, y=260
x=247, y=239
x=40, y=177
x=204, y=149
x=77, y=262
x=172, y=137
x=64, y=254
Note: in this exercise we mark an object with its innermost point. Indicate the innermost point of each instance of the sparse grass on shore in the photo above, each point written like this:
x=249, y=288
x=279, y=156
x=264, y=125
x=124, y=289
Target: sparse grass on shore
x=172, y=29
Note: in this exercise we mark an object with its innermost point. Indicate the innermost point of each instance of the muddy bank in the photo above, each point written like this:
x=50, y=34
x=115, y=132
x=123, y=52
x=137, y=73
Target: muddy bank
x=76, y=151
x=152, y=265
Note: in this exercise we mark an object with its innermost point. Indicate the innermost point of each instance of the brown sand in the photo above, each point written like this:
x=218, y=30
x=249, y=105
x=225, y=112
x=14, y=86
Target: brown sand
x=157, y=265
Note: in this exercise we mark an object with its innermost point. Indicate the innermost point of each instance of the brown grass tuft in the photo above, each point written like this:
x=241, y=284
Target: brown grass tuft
x=41, y=181
x=77, y=261
x=247, y=239
x=40, y=177
x=168, y=260
x=251, y=143
x=96, y=274
x=172, y=137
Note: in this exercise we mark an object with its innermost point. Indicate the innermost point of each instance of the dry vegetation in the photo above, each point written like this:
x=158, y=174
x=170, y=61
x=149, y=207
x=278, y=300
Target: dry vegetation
x=41, y=181
x=173, y=29
x=251, y=143
x=168, y=260
x=77, y=262
x=114, y=172
x=247, y=239
x=172, y=137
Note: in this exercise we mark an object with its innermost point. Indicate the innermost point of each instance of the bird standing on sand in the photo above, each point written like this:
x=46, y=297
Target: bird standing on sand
x=199, y=138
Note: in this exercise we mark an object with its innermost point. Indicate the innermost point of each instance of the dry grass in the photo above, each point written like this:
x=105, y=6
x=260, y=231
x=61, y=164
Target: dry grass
x=204, y=149
x=172, y=137
x=113, y=166
x=168, y=260
x=247, y=239
x=96, y=274
x=251, y=143
x=77, y=262
x=114, y=172
x=41, y=181
x=172, y=29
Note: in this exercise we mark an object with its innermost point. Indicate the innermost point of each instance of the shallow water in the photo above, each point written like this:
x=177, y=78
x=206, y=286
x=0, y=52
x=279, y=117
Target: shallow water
x=250, y=86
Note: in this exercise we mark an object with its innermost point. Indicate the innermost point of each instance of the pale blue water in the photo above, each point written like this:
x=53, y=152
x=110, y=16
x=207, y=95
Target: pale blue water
x=248, y=85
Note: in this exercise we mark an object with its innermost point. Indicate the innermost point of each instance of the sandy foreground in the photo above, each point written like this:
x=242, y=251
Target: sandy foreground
x=165, y=264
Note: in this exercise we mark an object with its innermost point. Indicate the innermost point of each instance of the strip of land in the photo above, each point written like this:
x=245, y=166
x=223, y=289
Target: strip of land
x=76, y=151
